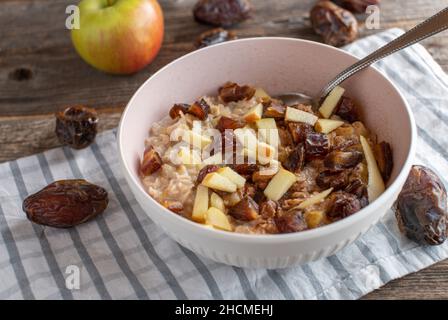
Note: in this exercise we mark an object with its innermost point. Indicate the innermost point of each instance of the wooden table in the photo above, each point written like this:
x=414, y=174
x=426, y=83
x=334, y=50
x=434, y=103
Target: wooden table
x=40, y=73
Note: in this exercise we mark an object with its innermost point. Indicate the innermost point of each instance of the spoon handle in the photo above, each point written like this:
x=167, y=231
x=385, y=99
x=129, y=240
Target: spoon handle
x=433, y=25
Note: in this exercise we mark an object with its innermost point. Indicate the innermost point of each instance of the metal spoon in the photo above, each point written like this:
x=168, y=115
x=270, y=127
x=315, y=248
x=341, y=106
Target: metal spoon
x=435, y=24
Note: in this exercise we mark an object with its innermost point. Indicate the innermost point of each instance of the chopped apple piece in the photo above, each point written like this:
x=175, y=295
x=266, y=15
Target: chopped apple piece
x=217, y=202
x=254, y=114
x=279, y=184
x=331, y=101
x=195, y=139
x=189, y=156
x=315, y=199
x=314, y=218
x=232, y=176
x=261, y=93
x=268, y=131
x=200, y=205
x=265, y=153
x=327, y=125
x=218, y=219
x=214, y=159
x=218, y=182
x=375, y=186
x=296, y=115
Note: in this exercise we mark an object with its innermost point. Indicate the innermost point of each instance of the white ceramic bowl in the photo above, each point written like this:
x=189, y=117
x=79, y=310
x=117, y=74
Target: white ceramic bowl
x=278, y=65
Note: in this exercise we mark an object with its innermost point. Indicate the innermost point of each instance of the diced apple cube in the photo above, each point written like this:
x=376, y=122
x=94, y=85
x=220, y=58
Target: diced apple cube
x=315, y=199
x=261, y=93
x=331, y=101
x=195, y=139
x=279, y=184
x=254, y=114
x=296, y=115
x=200, y=205
x=327, y=125
x=218, y=219
x=189, y=156
x=217, y=202
x=218, y=182
x=375, y=186
x=232, y=176
x=268, y=131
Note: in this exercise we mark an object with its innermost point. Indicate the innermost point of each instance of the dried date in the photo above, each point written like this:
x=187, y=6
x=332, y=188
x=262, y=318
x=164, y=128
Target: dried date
x=296, y=159
x=336, y=25
x=245, y=210
x=384, y=158
x=274, y=109
x=76, y=126
x=291, y=222
x=66, y=203
x=214, y=36
x=339, y=160
x=199, y=109
x=205, y=171
x=151, y=162
x=232, y=92
x=421, y=208
x=268, y=209
x=299, y=131
x=348, y=110
x=222, y=13
x=356, y=6
x=178, y=109
x=333, y=179
x=342, y=205
x=226, y=123
x=316, y=145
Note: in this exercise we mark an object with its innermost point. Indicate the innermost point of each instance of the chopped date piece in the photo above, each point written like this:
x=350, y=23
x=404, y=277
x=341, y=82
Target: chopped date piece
x=274, y=109
x=261, y=180
x=222, y=13
x=348, y=110
x=285, y=137
x=214, y=36
x=291, y=222
x=316, y=145
x=245, y=168
x=337, y=26
x=357, y=187
x=226, y=123
x=232, y=92
x=245, y=210
x=174, y=206
x=384, y=158
x=299, y=131
x=248, y=190
x=333, y=179
x=296, y=159
x=66, y=203
x=199, y=109
x=339, y=160
x=151, y=162
x=76, y=126
x=205, y=171
x=356, y=6
x=259, y=196
x=342, y=205
x=421, y=208
x=178, y=109
x=268, y=209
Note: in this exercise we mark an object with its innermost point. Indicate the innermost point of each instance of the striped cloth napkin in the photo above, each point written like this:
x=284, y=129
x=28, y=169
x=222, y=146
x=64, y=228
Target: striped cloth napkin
x=124, y=255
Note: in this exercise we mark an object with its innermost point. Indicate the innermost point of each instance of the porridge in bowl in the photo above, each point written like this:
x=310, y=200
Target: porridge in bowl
x=245, y=162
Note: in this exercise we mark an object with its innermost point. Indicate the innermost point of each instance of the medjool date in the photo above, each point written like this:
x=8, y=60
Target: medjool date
x=76, y=126
x=66, y=203
x=337, y=26
x=299, y=131
x=339, y=160
x=348, y=110
x=245, y=210
x=296, y=159
x=205, y=171
x=421, y=207
x=342, y=205
x=222, y=13
x=291, y=222
x=333, y=179
x=232, y=92
x=225, y=123
x=214, y=36
x=199, y=109
x=177, y=109
x=274, y=109
x=316, y=145
x=151, y=162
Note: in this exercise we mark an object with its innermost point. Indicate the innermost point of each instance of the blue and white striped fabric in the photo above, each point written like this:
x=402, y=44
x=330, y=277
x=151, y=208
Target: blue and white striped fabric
x=124, y=255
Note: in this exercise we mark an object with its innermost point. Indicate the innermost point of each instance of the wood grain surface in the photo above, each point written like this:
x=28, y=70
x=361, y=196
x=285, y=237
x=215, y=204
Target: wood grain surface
x=41, y=73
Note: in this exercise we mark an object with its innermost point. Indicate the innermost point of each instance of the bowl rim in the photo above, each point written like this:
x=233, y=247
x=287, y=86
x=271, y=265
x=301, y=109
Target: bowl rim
x=319, y=232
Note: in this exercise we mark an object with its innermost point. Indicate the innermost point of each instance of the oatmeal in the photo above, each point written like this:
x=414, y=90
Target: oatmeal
x=245, y=162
